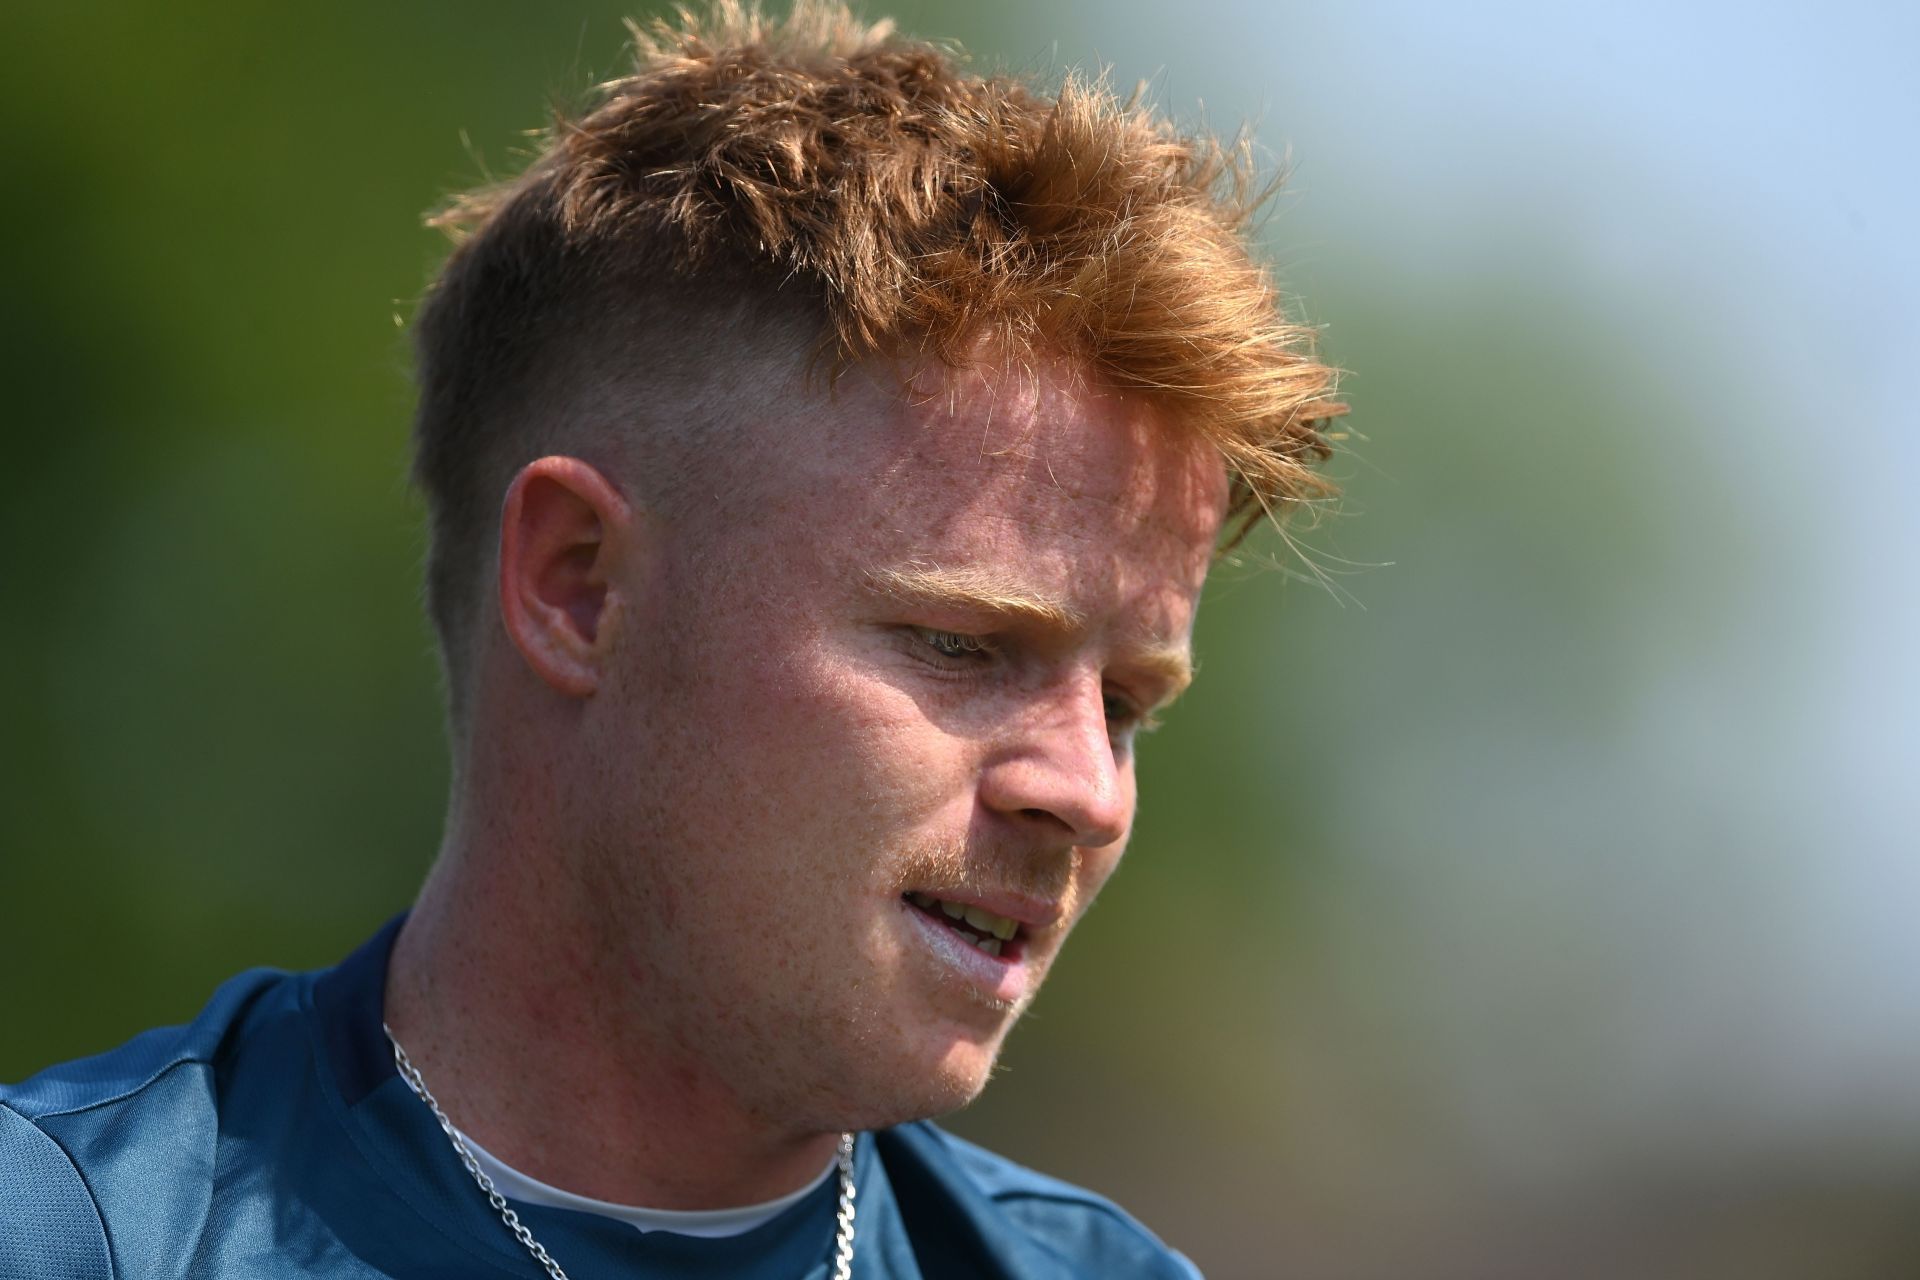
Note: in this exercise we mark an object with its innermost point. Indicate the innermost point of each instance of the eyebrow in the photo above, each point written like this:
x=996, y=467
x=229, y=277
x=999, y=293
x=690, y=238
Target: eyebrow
x=966, y=588
x=969, y=588
x=1171, y=667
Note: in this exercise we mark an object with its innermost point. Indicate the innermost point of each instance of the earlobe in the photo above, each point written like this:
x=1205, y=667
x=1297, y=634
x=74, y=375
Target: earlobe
x=563, y=532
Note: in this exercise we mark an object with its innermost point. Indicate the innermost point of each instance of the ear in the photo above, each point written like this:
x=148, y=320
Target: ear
x=563, y=531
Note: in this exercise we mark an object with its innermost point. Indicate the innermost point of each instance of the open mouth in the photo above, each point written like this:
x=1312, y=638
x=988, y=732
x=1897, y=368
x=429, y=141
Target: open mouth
x=996, y=935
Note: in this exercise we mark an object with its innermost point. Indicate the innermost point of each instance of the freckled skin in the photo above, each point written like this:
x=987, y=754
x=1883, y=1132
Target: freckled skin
x=663, y=958
x=797, y=762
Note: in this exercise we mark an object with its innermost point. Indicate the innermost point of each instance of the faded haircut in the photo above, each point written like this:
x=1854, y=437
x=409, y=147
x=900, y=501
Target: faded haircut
x=824, y=185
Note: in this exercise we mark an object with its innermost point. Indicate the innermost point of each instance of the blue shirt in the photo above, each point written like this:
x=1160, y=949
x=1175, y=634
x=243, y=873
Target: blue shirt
x=272, y=1137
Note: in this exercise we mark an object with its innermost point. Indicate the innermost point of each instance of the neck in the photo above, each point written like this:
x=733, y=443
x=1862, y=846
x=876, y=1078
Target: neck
x=538, y=1044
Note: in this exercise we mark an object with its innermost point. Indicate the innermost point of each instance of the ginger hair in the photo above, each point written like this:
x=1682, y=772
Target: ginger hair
x=751, y=170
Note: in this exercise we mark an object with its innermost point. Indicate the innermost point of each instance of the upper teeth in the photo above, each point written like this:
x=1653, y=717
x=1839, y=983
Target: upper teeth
x=980, y=918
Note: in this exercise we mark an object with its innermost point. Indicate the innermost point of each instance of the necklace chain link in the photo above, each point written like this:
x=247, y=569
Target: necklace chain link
x=843, y=1160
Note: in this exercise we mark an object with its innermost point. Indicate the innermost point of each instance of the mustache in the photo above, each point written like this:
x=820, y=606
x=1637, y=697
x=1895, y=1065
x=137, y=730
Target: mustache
x=981, y=866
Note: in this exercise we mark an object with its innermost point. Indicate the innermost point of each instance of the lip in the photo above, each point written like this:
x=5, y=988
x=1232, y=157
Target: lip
x=1037, y=914
x=998, y=977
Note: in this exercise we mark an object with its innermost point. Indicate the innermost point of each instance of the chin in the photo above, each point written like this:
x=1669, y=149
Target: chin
x=959, y=1079
x=933, y=1086
x=962, y=1077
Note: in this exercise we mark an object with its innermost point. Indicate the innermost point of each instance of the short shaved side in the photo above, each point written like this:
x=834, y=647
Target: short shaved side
x=763, y=196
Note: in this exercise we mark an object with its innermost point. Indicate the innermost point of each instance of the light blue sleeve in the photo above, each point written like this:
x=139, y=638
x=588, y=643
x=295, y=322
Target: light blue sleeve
x=50, y=1228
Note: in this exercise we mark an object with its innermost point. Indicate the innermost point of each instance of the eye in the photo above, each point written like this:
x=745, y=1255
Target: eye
x=1124, y=719
x=952, y=644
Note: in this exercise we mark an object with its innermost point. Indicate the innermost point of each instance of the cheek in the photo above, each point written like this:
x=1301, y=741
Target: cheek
x=871, y=747
x=1098, y=865
x=814, y=753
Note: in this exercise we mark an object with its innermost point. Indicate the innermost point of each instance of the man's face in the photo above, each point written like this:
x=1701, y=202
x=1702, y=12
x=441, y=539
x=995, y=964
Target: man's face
x=903, y=684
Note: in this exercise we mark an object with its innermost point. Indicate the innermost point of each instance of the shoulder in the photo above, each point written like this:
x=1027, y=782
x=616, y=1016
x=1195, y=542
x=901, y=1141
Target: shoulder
x=128, y=1072
x=77, y=1136
x=1079, y=1231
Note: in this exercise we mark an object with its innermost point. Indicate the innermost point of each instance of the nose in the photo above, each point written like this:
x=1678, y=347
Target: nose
x=1057, y=767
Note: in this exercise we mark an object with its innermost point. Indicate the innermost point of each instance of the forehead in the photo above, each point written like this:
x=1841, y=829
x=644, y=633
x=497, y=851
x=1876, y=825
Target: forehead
x=1083, y=491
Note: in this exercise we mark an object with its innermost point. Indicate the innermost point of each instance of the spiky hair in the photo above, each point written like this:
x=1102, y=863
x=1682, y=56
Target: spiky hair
x=918, y=208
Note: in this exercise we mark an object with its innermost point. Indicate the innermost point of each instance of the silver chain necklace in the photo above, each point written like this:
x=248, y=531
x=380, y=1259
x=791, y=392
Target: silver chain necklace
x=842, y=1235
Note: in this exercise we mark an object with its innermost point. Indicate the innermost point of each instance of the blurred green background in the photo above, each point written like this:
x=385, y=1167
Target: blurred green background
x=1536, y=899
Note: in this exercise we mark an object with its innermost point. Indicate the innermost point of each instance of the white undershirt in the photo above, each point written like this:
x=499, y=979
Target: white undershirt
x=708, y=1223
